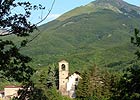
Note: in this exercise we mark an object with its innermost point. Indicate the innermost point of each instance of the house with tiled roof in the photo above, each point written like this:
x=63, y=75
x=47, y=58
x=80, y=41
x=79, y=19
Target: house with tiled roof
x=9, y=92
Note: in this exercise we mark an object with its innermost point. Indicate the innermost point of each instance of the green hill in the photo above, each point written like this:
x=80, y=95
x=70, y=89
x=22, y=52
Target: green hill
x=97, y=33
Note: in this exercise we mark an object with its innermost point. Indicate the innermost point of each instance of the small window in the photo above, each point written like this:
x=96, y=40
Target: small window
x=76, y=79
x=63, y=67
x=75, y=87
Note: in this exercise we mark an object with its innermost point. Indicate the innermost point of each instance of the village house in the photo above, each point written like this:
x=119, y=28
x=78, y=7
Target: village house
x=9, y=92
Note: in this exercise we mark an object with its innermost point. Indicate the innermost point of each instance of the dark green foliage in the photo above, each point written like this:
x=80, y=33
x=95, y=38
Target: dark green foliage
x=52, y=77
x=97, y=84
x=95, y=81
x=14, y=65
x=129, y=84
x=136, y=41
x=45, y=80
x=102, y=83
x=42, y=80
x=83, y=90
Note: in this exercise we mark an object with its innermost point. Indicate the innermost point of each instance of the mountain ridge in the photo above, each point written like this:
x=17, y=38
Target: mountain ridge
x=115, y=5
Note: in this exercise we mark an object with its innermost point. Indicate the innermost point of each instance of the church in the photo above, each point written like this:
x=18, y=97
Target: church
x=67, y=82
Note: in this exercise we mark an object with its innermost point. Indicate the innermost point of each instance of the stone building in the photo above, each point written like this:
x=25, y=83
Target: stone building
x=67, y=83
x=9, y=92
x=72, y=84
x=63, y=74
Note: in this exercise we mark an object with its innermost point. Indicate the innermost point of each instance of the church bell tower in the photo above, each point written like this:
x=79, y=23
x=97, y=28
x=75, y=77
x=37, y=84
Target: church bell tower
x=63, y=74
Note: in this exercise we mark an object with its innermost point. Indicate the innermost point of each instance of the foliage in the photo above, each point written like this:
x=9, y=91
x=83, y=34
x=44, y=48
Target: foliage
x=40, y=79
x=31, y=92
x=128, y=86
x=52, y=78
x=53, y=94
x=83, y=90
x=45, y=82
x=13, y=64
x=95, y=81
x=136, y=41
x=96, y=84
x=17, y=24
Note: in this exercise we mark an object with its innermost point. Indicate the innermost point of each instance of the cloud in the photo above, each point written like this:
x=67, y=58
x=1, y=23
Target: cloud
x=50, y=18
x=53, y=16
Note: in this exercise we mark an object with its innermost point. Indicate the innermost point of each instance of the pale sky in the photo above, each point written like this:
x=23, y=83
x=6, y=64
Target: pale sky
x=62, y=6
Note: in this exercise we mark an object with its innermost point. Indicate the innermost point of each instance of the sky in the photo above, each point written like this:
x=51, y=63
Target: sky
x=62, y=6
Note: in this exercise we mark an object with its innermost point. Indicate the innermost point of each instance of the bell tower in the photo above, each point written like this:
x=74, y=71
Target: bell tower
x=63, y=74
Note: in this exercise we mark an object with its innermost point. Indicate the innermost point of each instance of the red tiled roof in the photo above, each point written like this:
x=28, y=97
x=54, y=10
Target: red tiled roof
x=13, y=86
x=1, y=91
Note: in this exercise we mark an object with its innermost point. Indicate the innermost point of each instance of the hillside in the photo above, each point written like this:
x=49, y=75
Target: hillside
x=97, y=33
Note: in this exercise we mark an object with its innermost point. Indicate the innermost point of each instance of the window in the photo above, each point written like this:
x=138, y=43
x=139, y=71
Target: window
x=63, y=67
x=76, y=79
x=75, y=87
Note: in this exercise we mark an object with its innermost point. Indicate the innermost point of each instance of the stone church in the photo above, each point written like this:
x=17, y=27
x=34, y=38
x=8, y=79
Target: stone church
x=67, y=83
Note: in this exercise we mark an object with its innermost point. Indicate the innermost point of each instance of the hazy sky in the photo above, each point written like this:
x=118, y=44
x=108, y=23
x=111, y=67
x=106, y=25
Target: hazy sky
x=62, y=6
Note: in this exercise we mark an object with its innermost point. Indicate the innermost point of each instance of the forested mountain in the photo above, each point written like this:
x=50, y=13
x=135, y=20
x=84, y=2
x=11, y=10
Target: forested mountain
x=97, y=33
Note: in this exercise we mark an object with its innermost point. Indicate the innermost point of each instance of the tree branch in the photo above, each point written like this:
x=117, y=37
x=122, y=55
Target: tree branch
x=47, y=14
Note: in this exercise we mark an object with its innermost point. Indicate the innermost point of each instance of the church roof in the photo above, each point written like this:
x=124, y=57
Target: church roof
x=12, y=86
x=63, y=61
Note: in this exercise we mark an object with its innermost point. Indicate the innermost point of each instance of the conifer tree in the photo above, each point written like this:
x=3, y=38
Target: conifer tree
x=52, y=77
x=83, y=89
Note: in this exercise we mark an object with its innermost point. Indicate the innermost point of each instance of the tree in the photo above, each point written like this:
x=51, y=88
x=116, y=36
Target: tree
x=52, y=78
x=83, y=90
x=128, y=88
x=96, y=84
x=136, y=41
x=14, y=65
x=95, y=81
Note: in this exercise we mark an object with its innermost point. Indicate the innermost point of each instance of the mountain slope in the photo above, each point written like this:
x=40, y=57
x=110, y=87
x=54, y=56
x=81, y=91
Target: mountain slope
x=88, y=35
